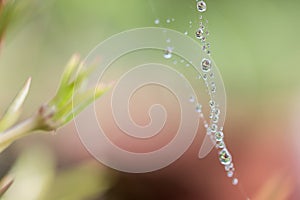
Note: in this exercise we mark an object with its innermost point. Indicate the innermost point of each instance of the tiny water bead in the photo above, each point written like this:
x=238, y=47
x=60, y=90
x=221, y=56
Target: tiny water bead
x=213, y=89
x=235, y=181
x=201, y=6
x=214, y=128
x=206, y=65
x=215, y=119
x=199, y=33
x=229, y=167
x=230, y=174
x=224, y=157
x=217, y=111
x=212, y=103
x=220, y=144
x=156, y=21
x=168, y=53
x=219, y=136
x=192, y=99
x=198, y=108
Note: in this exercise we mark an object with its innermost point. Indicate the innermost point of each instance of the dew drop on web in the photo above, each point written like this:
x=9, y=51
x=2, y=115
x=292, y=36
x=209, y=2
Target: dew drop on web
x=201, y=6
x=168, y=53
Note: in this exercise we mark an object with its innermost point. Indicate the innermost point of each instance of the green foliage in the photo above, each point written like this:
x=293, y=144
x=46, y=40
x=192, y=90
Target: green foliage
x=53, y=115
x=36, y=178
x=15, y=109
x=7, y=13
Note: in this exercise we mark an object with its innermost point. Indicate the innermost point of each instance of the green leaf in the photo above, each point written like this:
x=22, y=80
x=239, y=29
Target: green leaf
x=33, y=173
x=81, y=101
x=13, y=113
x=7, y=13
x=85, y=181
x=66, y=86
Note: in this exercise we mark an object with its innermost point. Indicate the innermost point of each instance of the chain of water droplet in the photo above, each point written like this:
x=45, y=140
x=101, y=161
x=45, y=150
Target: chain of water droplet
x=215, y=132
x=212, y=129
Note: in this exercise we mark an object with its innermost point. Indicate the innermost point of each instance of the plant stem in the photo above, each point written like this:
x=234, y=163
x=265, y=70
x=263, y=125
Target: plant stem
x=22, y=129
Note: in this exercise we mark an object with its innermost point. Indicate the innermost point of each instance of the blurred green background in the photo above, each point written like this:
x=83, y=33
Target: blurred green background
x=256, y=46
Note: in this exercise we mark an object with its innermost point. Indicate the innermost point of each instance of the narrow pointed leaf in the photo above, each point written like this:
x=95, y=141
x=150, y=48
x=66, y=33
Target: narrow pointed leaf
x=14, y=111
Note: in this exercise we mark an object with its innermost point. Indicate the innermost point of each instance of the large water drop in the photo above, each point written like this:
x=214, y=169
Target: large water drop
x=206, y=65
x=224, y=157
x=201, y=6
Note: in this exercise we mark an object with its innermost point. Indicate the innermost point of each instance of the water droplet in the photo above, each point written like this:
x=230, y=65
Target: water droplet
x=173, y=19
x=187, y=65
x=217, y=111
x=199, y=108
x=199, y=34
x=186, y=33
x=230, y=174
x=208, y=131
x=229, y=167
x=214, y=128
x=235, y=181
x=219, y=136
x=156, y=21
x=192, y=99
x=224, y=157
x=215, y=119
x=204, y=76
x=168, y=53
x=175, y=62
x=212, y=103
x=213, y=89
x=206, y=65
x=201, y=6
x=220, y=144
x=168, y=21
x=208, y=52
